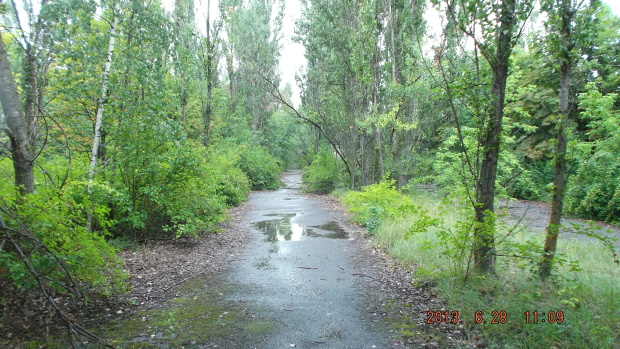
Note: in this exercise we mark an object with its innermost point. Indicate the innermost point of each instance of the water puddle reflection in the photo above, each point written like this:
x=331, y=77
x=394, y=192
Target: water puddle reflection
x=282, y=229
x=335, y=231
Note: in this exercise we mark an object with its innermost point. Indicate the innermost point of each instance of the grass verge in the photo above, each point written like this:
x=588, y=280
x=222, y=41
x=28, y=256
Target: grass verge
x=579, y=308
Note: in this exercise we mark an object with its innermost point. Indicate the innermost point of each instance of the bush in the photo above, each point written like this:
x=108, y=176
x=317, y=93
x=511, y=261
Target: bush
x=517, y=175
x=595, y=192
x=231, y=182
x=378, y=202
x=526, y=186
x=164, y=182
x=262, y=168
x=322, y=175
x=50, y=229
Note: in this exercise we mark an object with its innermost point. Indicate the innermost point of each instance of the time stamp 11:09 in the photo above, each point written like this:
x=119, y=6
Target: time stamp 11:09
x=494, y=317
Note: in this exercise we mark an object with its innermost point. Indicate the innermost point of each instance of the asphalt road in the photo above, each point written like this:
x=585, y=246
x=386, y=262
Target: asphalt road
x=300, y=272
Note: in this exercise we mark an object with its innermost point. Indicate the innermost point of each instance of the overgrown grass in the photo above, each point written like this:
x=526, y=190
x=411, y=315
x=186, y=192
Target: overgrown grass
x=588, y=298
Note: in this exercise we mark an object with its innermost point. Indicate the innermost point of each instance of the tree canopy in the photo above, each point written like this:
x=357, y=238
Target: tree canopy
x=123, y=121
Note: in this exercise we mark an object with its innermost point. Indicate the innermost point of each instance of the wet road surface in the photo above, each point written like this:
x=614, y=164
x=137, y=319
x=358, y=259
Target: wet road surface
x=299, y=273
x=533, y=216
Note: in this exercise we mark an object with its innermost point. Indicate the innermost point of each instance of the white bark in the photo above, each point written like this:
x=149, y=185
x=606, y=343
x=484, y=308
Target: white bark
x=99, y=115
x=101, y=106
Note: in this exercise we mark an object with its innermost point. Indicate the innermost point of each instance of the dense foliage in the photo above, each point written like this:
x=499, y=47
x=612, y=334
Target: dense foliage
x=129, y=132
x=595, y=189
x=128, y=122
x=426, y=110
x=262, y=168
x=324, y=174
x=377, y=202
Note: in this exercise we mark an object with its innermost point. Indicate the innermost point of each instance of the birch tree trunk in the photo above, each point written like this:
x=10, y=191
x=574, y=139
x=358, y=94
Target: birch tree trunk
x=99, y=115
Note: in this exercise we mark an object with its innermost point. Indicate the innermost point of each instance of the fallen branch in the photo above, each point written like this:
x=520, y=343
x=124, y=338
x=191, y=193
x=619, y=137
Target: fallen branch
x=74, y=328
x=182, y=281
x=364, y=275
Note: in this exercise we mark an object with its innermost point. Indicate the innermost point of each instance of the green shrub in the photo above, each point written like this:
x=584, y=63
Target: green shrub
x=595, y=192
x=525, y=186
x=378, y=202
x=231, y=182
x=164, y=183
x=322, y=175
x=50, y=229
x=515, y=177
x=262, y=168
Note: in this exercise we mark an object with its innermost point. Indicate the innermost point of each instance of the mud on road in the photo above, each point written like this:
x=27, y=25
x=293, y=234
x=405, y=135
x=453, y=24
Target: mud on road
x=301, y=277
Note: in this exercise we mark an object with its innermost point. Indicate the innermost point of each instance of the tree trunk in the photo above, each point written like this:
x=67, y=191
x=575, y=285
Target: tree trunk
x=99, y=115
x=375, y=97
x=183, y=102
x=484, y=232
x=559, y=183
x=31, y=94
x=559, y=177
x=379, y=152
x=209, y=77
x=231, y=79
x=17, y=127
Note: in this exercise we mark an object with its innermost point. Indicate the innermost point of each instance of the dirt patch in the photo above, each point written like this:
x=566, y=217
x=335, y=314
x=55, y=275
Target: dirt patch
x=159, y=269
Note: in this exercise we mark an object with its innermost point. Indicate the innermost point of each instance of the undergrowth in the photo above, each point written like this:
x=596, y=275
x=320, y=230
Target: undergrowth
x=435, y=237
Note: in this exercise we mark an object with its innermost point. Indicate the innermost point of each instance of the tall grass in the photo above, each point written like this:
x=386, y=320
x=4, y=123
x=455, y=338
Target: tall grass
x=587, y=293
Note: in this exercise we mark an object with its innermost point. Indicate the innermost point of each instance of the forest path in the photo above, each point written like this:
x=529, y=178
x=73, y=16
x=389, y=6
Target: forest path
x=305, y=272
x=291, y=272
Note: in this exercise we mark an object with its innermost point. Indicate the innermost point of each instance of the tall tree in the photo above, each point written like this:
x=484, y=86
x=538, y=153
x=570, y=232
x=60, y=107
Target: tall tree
x=253, y=54
x=567, y=24
x=498, y=23
x=209, y=58
x=184, y=54
x=23, y=116
x=18, y=130
x=100, y=109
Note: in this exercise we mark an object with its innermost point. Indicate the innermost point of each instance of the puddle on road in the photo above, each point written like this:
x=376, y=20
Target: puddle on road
x=282, y=215
x=282, y=229
x=336, y=231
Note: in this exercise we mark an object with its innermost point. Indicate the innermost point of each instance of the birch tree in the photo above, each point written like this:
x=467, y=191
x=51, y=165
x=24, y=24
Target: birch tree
x=100, y=108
